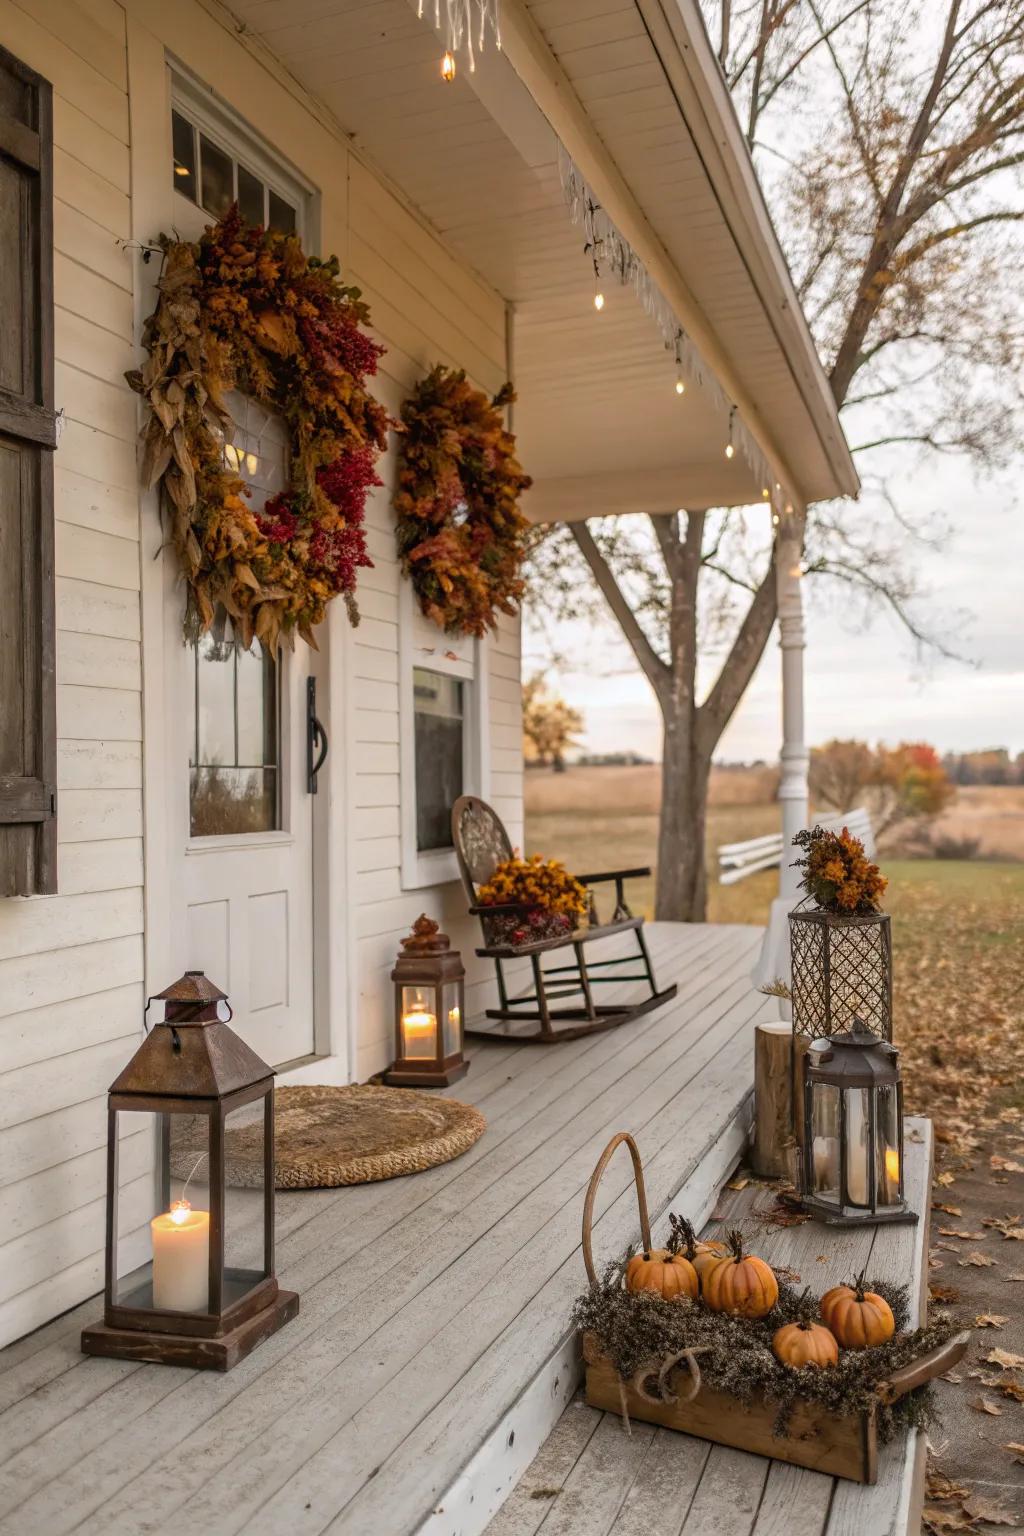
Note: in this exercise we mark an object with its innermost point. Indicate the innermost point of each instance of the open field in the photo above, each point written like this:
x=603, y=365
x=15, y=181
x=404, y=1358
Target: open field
x=602, y=818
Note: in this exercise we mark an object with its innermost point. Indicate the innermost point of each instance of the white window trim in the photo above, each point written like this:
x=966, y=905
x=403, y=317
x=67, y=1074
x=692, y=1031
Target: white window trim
x=200, y=105
x=464, y=659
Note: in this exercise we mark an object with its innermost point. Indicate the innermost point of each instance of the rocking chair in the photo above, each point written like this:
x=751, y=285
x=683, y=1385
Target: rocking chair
x=481, y=844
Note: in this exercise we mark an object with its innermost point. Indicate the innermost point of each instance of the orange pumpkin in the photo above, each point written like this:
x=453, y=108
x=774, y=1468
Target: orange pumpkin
x=665, y=1273
x=800, y=1344
x=857, y=1317
x=740, y=1284
x=703, y=1256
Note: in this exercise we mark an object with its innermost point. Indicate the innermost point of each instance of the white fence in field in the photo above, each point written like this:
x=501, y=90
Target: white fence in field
x=737, y=860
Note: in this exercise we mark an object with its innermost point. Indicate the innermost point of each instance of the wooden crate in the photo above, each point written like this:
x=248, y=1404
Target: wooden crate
x=842, y=1446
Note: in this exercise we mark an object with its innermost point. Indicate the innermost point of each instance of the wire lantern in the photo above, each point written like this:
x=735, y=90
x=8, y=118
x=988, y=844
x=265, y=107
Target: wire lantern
x=841, y=972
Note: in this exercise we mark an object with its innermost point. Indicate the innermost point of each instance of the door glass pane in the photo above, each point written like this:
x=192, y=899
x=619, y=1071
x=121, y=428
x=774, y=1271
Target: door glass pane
x=184, y=155
x=235, y=748
x=250, y=197
x=438, y=729
x=217, y=178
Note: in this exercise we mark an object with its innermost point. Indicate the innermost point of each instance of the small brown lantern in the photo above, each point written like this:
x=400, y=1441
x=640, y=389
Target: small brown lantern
x=194, y=1283
x=430, y=1008
x=852, y=1163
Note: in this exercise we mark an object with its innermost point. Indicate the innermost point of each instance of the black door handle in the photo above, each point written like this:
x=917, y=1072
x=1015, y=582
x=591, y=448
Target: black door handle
x=316, y=737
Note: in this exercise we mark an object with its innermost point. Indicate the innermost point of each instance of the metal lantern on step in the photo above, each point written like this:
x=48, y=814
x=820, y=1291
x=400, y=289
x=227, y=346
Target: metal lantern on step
x=191, y=1283
x=852, y=1163
x=430, y=1010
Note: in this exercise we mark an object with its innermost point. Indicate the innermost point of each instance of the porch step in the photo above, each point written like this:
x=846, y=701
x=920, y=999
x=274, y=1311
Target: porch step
x=591, y=1479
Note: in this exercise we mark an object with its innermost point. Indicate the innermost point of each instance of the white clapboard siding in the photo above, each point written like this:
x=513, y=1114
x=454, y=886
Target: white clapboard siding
x=77, y=960
x=71, y=965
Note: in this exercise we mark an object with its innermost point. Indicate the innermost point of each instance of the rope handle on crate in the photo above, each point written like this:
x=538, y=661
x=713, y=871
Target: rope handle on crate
x=588, y=1204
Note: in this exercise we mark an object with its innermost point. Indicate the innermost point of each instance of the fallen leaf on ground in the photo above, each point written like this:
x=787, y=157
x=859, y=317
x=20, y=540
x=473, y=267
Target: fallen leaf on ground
x=1005, y=1164
x=991, y=1513
x=737, y=1184
x=1009, y=1386
x=955, y=1232
x=1015, y=1276
x=986, y=1405
x=1017, y=1233
x=950, y=1210
x=989, y=1320
x=953, y=1377
x=944, y=1293
x=1016, y=1451
x=938, y=1521
x=1006, y=1358
x=945, y=1179
x=979, y=1260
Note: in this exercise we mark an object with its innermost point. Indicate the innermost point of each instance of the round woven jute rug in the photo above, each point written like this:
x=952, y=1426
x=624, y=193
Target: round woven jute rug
x=330, y=1136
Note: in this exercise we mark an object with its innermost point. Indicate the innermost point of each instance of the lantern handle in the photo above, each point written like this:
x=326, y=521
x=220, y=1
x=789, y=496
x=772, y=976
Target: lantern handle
x=146, y=1026
x=588, y=1204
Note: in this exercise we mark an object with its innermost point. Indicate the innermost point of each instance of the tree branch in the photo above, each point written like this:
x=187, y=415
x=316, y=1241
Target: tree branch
x=656, y=671
x=740, y=665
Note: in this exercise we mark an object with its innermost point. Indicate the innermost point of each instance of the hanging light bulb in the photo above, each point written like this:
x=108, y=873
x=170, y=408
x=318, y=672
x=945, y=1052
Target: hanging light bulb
x=729, y=449
x=680, y=386
x=598, y=295
x=765, y=492
x=599, y=300
x=448, y=66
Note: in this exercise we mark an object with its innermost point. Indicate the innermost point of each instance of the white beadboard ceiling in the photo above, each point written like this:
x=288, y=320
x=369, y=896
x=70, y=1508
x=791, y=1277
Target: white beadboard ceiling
x=600, y=426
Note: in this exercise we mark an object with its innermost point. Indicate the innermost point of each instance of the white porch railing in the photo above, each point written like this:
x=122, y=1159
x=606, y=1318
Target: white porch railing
x=737, y=860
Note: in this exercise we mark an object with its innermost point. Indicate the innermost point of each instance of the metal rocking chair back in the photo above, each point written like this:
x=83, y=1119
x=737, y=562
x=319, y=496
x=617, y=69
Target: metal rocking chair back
x=481, y=844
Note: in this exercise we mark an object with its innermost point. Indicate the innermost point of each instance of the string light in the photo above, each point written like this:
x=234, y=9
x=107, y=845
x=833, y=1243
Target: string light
x=591, y=250
x=680, y=381
x=459, y=28
x=448, y=67
x=765, y=492
x=729, y=449
x=680, y=387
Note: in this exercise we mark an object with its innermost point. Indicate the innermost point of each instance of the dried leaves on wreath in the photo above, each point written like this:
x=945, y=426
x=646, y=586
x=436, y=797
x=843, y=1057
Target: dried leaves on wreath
x=461, y=536
x=245, y=309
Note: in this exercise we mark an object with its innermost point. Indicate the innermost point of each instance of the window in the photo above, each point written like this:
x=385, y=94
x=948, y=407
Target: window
x=439, y=733
x=213, y=178
x=234, y=762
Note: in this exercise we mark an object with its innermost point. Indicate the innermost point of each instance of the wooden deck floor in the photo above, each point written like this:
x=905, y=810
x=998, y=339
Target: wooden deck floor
x=429, y=1304
x=591, y=1479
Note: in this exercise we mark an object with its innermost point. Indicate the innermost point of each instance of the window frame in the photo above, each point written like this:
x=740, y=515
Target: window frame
x=196, y=102
x=423, y=646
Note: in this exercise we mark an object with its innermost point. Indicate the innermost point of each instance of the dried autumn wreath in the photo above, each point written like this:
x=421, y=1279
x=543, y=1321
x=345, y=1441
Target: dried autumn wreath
x=461, y=535
x=244, y=308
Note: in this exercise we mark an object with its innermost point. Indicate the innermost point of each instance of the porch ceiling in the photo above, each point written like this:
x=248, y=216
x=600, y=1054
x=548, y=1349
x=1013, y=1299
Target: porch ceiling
x=600, y=426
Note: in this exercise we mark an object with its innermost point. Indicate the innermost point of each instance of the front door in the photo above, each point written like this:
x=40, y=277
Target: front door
x=248, y=856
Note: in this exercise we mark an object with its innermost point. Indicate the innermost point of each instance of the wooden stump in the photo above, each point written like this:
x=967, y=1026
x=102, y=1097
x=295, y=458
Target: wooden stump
x=774, y=1132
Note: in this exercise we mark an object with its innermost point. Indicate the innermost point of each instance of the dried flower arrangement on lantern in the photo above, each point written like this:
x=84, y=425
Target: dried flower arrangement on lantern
x=461, y=536
x=245, y=309
x=837, y=873
x=550, y=901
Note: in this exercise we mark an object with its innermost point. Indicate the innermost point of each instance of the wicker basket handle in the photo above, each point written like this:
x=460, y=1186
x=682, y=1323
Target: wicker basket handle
x=588, y=1204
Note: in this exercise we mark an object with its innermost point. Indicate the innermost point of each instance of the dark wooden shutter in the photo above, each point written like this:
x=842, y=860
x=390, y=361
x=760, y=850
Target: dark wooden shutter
x=28, y=749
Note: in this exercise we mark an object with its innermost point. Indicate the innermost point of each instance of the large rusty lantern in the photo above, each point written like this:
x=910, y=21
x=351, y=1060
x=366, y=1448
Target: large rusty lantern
x=430, y=1010
x=190, y=1282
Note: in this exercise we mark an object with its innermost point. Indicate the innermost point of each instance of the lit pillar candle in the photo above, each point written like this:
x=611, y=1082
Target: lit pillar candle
x=181, y=1259
x=419, y=1034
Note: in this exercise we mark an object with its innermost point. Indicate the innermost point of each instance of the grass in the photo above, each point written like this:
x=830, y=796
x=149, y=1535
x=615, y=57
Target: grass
x=957, y=927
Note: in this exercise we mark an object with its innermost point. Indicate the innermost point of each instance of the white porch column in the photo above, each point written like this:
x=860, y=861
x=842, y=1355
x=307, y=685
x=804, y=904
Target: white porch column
x=773, y=961
x=794, y=758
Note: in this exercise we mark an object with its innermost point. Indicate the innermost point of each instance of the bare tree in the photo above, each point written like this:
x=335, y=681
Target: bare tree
x=891, y=138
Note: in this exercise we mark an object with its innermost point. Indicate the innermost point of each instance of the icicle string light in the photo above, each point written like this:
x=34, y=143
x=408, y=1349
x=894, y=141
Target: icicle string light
x=620, y=260
x=457, y=16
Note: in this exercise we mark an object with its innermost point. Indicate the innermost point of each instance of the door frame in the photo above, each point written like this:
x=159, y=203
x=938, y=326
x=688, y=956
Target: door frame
x=149, y=76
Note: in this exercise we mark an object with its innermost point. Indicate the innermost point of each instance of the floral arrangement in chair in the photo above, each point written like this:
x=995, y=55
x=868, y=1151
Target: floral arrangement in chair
x=837, y=873
x=541, y=900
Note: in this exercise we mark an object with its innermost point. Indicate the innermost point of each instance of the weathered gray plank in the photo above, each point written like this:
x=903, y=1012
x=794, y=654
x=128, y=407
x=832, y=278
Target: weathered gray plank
x=795, y=1502
x=600, y=1481
x=660, y=1496
x=729, y=1493
x=528, y=1505
x=110, y=1466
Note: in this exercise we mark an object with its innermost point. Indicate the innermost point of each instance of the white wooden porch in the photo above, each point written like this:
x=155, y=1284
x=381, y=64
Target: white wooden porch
x=432, y=1355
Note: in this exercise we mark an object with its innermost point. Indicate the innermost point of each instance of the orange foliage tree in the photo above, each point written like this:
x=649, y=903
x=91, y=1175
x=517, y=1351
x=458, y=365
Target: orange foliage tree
x=899, y=785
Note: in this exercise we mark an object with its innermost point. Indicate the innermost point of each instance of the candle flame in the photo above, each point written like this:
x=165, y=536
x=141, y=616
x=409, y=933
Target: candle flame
x=180, y=1211
x=448, y=67
x=892, y=1164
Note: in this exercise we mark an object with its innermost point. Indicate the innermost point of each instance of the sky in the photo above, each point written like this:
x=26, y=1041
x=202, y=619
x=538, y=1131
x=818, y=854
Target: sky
x=863, y=677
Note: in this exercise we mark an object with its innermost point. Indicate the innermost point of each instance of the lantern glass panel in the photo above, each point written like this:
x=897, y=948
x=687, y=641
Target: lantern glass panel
x=451, y=1004
x=162, y=1226
x=246, y=1260
x=887, y=1145
x=419, y=1023
x=859, y=1173
x=825, y=1140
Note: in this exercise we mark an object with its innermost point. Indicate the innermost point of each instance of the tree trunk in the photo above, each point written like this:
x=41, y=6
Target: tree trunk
x=681, y=887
